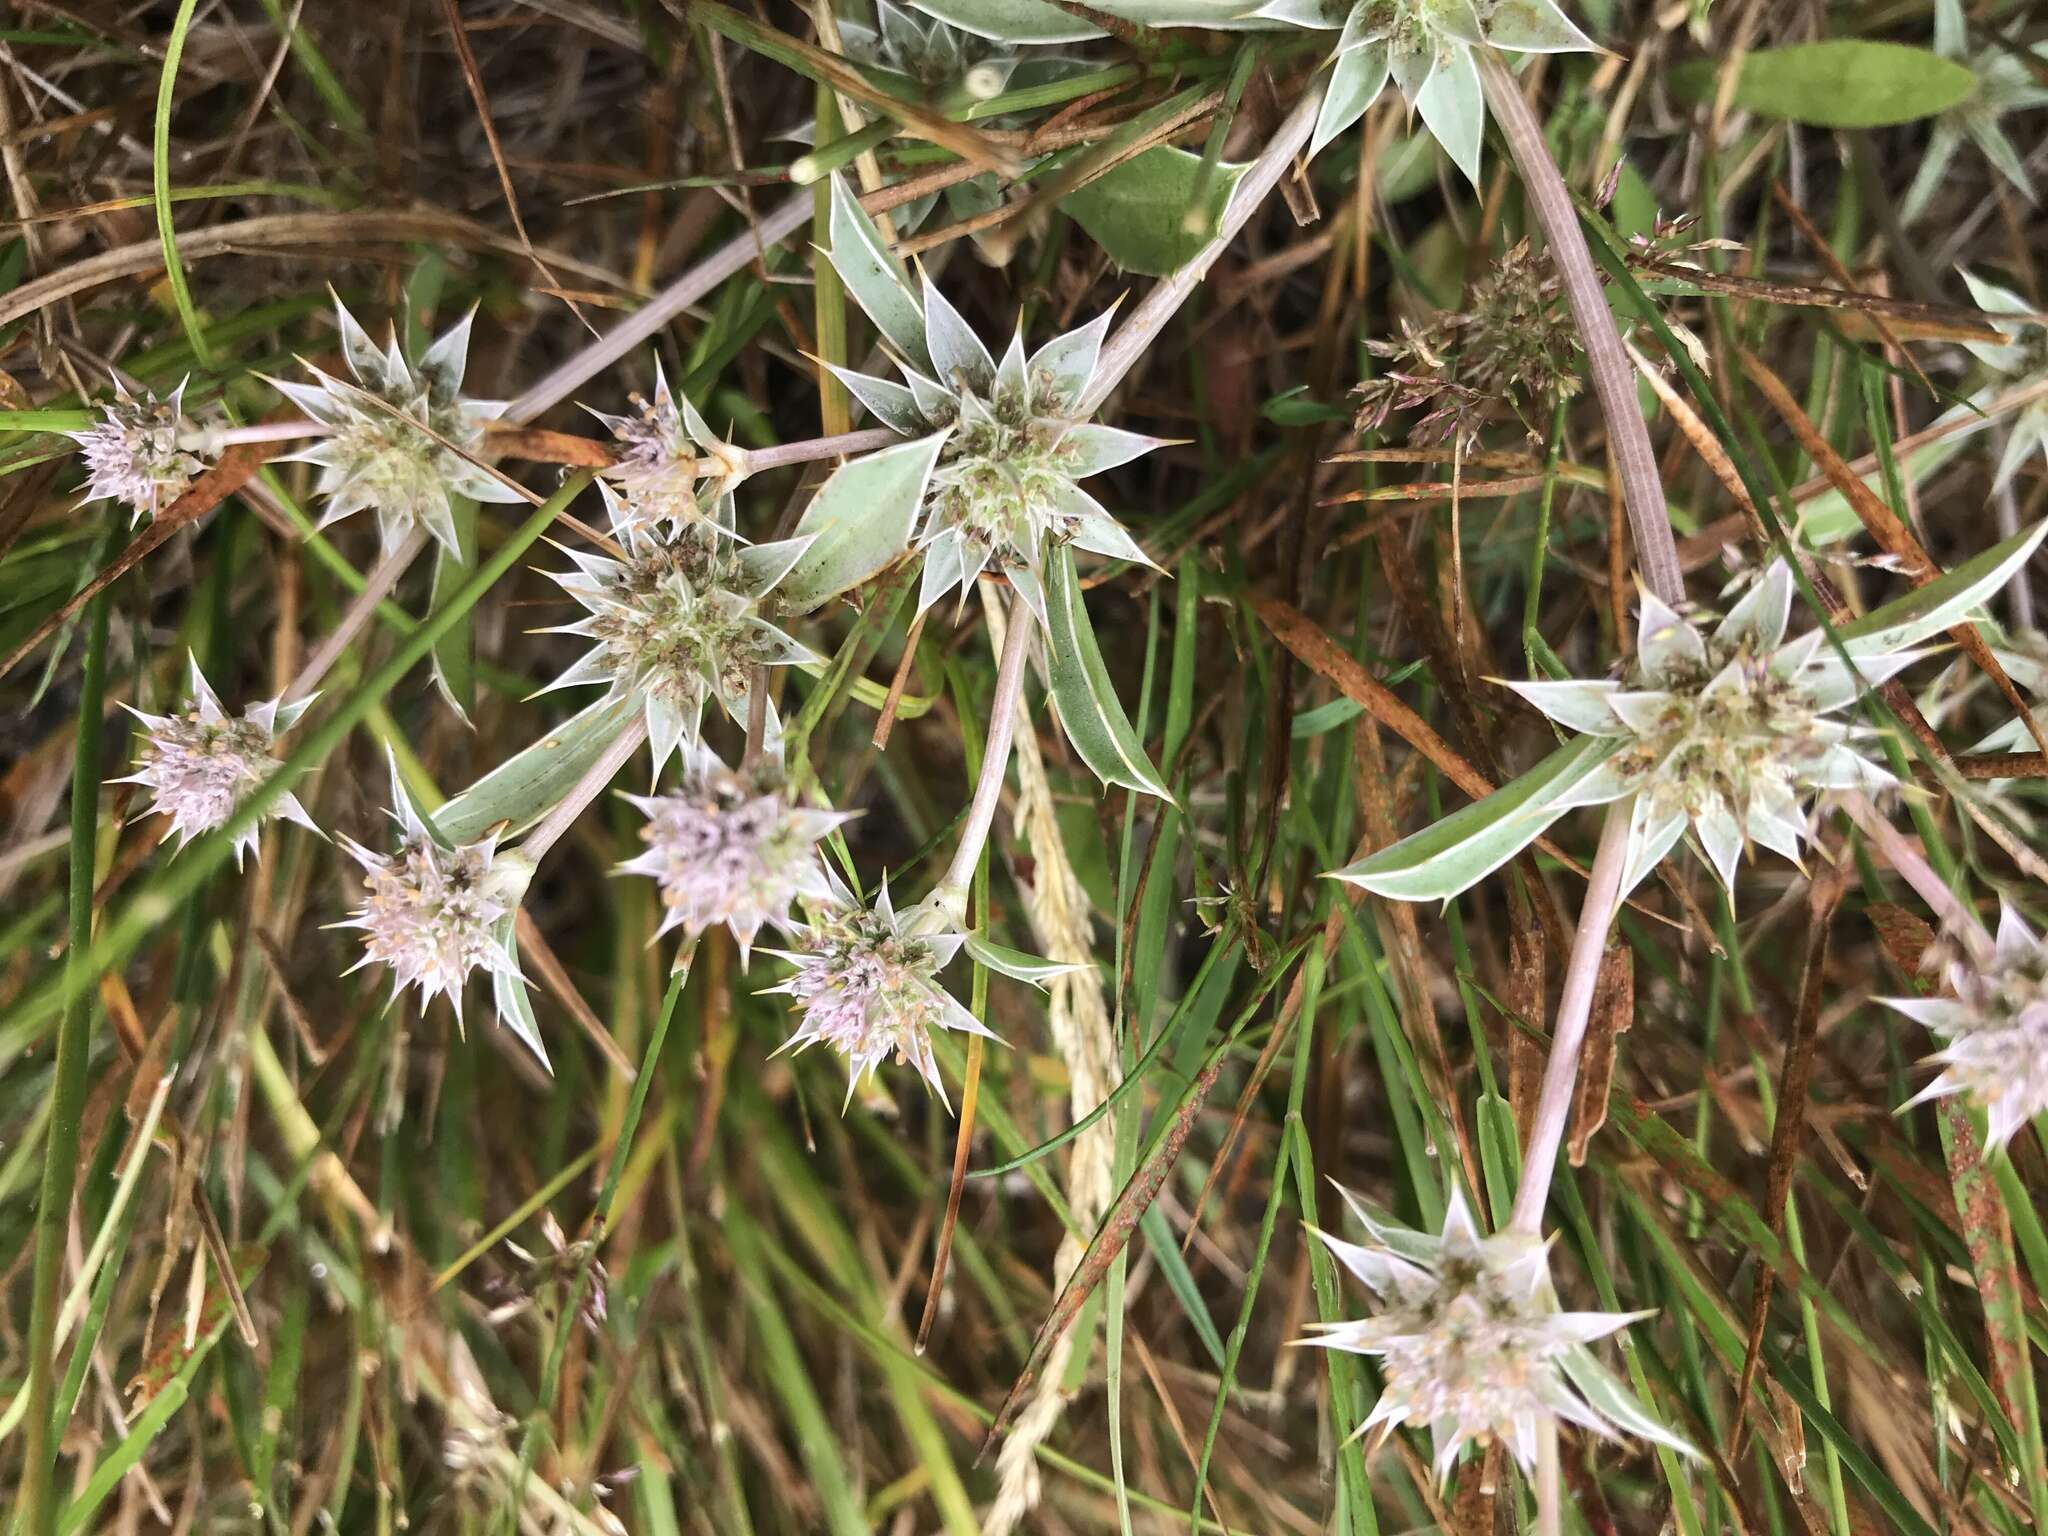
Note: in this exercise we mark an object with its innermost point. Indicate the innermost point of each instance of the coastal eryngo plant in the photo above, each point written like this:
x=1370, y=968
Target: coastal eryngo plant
x=375, y=454
x=134, y=455
x=670, y=467
x=1425, y=48
x=2019, y=361
x=434, y=911
x=1993, y=1027
x=679, y=620
x=200, y=763
x=989, y=481
x=1728, y=732
x=2009, y=78
x=730, y=846
x=1471, y=1341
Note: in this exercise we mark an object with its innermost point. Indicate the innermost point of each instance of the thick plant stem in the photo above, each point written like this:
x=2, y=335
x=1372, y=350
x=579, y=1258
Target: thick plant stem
x=811, y=449
x=1121, y=353
x=376, y=587
x=1911, y=866
x=586, y=789
x=38, y=1504
x=1549, y=1493
x=1614, y=381
x=678, y=296
x=995, y=758
x=1574, y=1008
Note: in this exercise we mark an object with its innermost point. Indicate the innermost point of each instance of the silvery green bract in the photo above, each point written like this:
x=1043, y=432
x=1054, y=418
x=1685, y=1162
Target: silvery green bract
x=1471, y=1341
x=1993, y=1030
x=2020, y=361
x=1036, y=21
x=1725, y=732
x=680, y=621
x=1425, y=48
x=200, y=763
x=2005, y=83
x=664, y=452
x=132, y=453
x=375, y=454
x=989, y=478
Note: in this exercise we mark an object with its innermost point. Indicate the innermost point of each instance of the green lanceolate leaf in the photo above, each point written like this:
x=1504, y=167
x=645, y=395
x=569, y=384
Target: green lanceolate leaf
x=1015, y=964
x=521, y=789
x=874, y=277
x=1943, y=602
x=1839, y=83
x=1448, y=857
x=1138, y=212
x=509, y=996
x=455, y=656
x=1089, y=711
x=859, y=521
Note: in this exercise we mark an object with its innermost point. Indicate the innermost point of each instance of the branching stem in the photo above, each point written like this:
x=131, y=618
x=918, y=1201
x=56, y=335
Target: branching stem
x=376, y=587
x=586, y=789
x=995, y=759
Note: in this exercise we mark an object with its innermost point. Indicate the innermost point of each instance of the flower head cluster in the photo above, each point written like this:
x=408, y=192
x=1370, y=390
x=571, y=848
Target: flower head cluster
x=679, y=619
x=201, y=763
x=133, y=454
x=922, y=58
x=1002, y=445
x=1993, y=1029
x=1425, y=48
x=1471, y=1341
x=730, y=847
x=2019, y=361
x=434, y=912
x=867, y=983
x=390, y=430
x=665, y=449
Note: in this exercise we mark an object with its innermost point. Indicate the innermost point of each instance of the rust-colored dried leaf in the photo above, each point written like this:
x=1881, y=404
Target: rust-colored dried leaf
x=1614, y=1010
x=1904, y=935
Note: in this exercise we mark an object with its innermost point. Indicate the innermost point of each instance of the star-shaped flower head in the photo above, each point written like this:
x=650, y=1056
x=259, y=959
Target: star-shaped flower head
x=1725, y=731
x=730, y=846
x=1425, y=48
x=1471, y=1341
x=1993, y=1029
x=992, y=474
x=680, y=620
x=2020, y=361
x=923, y=59
x=2007, y=80
x=434, y=911
x=664, y=452
x=133, y=454
x=376, y=454
x=201, y=763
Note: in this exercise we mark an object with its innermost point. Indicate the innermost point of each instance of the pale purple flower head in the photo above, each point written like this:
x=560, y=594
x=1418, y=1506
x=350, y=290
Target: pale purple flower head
x=201, y=763
x=665, y=450
x=1471, y=1342
x=1993, y=1029
x=730, y=846
x=132, y=453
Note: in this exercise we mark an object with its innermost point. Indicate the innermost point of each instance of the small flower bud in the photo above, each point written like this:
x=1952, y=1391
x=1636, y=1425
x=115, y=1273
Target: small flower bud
x=133, y=454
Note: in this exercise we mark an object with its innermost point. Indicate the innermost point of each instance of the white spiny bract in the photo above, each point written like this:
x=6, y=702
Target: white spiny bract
x=434, y=912
x=1993, y=1029
x=665, y=450
x=375, y=454
x=1425, y=48
x=132, y=453
x=1471, y=1341
x=729, y=846
x=679, y=620
x=1006, y=440
x=1724, y=731
x=2020, y=361
x=201, y=763
x=2006, y=81
x=866, y=981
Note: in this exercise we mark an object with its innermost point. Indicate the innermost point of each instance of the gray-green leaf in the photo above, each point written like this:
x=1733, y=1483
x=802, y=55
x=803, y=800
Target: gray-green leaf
x=1086, y=699
x=521, y=789
x=1943, y=602
x=1138, y=212
x=860, y=520
x=1840, y=83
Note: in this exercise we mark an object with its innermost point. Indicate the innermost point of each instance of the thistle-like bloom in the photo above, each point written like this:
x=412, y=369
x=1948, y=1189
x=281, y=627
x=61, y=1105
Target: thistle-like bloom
x=201, y=763
x=1471, y=1341
x=867, y=981
x=999, y=449
x=664, y=452
x=1425, y=47
x=132, y=453
x=2019, y=361
x=376, y=454
x=2005, y=82
x=1994, y=1029
x=679, y=620
x=434, y=912
x=730, y=847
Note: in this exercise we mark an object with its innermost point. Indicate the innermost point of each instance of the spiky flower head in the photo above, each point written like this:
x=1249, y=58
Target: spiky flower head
x=434, y=911
x=730, y=846
x=867, y=982
x=992, y=477
x=376, y=454
x=1425, y=48
x=2020, y=360
x=1993, y=1027
x=670, y=465
x=1471, y=1341
x=133, y=453
x=679, y=620
x=923, y=59
x=201, y=763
